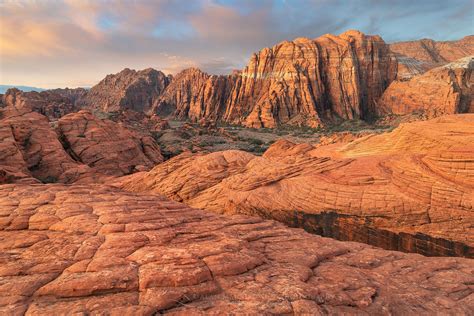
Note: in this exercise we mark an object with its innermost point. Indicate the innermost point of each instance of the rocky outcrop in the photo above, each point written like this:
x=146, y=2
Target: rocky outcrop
x=194, y=94
x=444, y=90
x=416, y=57
x=128, y=89
x=83, y=148
x=106, y=146
x=30, y=150
x=306, y=81
x=50, y=103
x=93, y=249
x=300, y=82
x=417, y=179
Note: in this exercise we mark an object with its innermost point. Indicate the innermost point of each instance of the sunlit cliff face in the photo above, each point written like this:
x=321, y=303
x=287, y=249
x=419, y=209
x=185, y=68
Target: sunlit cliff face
x=75, y=43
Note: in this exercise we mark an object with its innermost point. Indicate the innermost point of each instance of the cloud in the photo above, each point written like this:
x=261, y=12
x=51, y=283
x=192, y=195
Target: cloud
x=53, y=43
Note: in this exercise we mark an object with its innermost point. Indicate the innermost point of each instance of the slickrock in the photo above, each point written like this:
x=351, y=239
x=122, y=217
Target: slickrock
x=49, y=103
x=93, y=249
x=30, y=150
x=444, y=90
x=416, y=57
x=411, y=189
x=106, y=146
x=128, y=89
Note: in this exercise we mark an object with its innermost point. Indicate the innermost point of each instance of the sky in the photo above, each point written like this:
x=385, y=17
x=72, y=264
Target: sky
x=72, y=43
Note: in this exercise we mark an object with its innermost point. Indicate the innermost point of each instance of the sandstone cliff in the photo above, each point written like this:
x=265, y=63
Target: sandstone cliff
x=194, y=94
x=415, y=57
x=301, y=82
x=128, y=89
x=416, y=179
x=306, y=81
x=447, y=89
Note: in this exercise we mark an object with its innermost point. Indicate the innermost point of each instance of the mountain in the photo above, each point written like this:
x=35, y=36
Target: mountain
x=4, y=88
x=303, y=82
x=415, y=57
x=128, y=89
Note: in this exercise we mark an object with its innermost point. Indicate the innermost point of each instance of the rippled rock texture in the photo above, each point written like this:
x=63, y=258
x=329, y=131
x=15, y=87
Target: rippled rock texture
x=417, y=179
x=89, y=249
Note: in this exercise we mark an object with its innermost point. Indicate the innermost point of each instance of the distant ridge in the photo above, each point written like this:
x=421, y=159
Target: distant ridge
x=4, y=88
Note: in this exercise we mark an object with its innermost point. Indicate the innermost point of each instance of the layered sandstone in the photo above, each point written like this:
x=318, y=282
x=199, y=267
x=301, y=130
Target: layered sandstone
x=302, y=82
x=415, y=180
x=128, y=89
x=444, y=90
x=307, y=81
x=107, y=146
x=416, y=57
x=194, y=94
x=91, y=249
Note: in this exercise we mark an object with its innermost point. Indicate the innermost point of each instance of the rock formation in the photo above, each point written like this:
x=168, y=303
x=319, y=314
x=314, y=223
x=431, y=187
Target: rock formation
x=83, y=148
x=415, y=180
x=30, y=150
x=447, y=89
x=91, y=249
x=306, y=81
x=194, y=94
x=51, y=103
x=107, y=146
x=300, y=82
x=128, y=89
x=416, y=57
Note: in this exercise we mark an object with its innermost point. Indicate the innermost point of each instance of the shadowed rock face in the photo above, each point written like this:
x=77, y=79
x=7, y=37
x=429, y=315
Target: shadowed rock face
x=444, y=90
x=97, y=250
x=128, y=89
x=415, y=57
x=416, y=179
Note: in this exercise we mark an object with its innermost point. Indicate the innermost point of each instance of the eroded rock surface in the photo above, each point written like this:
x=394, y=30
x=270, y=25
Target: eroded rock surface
x=107, y=146
x=416, y=179
x=444, y=90
x=94, y=249
x=30, y=150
